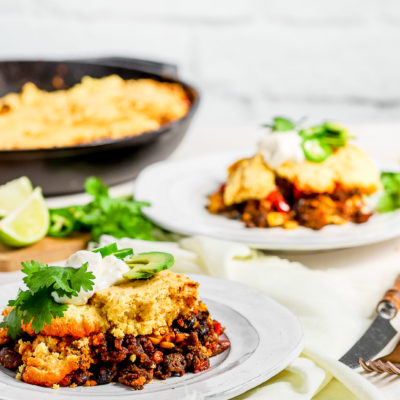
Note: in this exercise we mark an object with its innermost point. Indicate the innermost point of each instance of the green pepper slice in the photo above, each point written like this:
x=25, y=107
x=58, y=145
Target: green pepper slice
x=62, y=223
x=315, y=150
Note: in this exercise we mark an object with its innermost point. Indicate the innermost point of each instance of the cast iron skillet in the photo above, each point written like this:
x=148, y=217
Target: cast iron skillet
x=64, y=170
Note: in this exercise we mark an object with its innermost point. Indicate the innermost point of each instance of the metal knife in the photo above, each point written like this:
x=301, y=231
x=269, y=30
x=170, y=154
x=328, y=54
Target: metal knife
x=380, y=332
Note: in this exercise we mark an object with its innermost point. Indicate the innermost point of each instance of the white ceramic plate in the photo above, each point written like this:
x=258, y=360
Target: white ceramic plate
x=265, y=337
x=178, y=190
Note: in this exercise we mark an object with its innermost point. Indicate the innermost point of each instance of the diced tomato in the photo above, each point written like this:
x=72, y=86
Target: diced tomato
x=222, y=188
x=217, y=327
x=278, y=201
x=201, y=366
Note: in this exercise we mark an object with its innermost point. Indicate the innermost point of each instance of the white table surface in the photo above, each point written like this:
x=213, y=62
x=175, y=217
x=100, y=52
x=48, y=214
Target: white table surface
x=381, y=141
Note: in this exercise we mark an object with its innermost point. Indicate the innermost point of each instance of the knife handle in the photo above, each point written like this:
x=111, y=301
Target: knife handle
x=389, y=306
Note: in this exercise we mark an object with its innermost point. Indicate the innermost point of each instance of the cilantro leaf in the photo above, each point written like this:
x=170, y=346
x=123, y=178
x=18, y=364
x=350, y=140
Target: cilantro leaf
x=95, y=187
x=30, y=267
x=281, y=124
x=80, y=279
x=390, y=199
x=119, y=217
x=36, y=305
x=13, y=322
x=40, y=309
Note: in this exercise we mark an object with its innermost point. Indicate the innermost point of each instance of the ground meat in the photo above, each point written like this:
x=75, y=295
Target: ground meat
x=175, y=363
x=196, y=356
x=135, y=376
x=10, y=359
x=221, y=346
x=112, y=350
x=138, y=346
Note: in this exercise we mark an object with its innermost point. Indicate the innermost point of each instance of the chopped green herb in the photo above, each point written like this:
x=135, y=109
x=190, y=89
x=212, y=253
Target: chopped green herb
x=390, y=200
x=318, y=141
x=36, y=305
x=118, y=217
x=281, y=124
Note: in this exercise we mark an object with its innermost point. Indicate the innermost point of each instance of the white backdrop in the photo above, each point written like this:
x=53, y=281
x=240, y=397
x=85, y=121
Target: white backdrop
x=251, y=58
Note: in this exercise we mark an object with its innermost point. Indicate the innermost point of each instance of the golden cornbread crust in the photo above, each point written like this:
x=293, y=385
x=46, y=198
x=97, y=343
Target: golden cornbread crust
x=139, y=307
x=248, y=179
x=95, y=109
x=349, y=167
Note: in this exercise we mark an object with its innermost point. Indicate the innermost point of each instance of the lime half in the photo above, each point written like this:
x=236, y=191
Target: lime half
x=13, y=194
x=26, y=224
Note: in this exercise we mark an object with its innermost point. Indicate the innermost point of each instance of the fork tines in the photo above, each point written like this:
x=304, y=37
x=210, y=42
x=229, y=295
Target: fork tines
x=380, y=366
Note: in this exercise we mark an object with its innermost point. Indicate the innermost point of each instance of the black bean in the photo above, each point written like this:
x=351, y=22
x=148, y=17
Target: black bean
x=80, y=378
x=104, y=376
x=10, y=358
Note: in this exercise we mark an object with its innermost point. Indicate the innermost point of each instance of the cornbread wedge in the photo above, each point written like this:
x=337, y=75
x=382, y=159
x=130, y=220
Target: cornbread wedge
x=312, y=194
x=128, y=333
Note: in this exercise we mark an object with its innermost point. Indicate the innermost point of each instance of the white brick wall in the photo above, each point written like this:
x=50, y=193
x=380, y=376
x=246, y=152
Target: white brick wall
x=251, y=58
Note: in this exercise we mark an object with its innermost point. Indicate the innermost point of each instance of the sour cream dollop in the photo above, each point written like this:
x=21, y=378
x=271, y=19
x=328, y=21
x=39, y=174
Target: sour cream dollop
x=107, y=272
x=279, y=147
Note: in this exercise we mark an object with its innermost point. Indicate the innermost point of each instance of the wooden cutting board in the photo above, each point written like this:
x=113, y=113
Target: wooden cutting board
x=47, y=250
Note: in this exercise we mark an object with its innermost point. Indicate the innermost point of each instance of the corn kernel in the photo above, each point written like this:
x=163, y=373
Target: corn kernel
x=167, y=345
x=290, y=224
x=276, y=218
x=155, y=340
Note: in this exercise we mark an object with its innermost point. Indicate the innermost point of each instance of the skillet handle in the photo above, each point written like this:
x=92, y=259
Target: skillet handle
x=389, y=306
x=152, y=67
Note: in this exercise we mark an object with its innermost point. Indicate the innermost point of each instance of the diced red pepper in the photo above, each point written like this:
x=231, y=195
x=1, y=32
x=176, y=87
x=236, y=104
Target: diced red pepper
x=222, y=188
x=217, y=327
x=278, y=201
x=157, y=357
x=118, y=343
x=296, y=192
x=201, y=366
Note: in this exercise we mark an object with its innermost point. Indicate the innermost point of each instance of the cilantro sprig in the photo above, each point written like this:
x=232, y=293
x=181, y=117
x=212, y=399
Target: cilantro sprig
x=319, y=141
x=118, y=217
x=281, y=124
x=36, y=305
x=390, y=199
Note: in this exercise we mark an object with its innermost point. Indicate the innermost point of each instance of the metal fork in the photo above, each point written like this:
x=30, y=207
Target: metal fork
x=380, y=366
x=389, y=363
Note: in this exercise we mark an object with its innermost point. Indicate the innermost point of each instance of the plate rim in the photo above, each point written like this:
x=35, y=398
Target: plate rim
x=140, y=185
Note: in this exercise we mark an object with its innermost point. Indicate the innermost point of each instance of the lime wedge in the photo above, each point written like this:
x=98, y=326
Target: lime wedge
x=26, y=224
x=13, y=194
